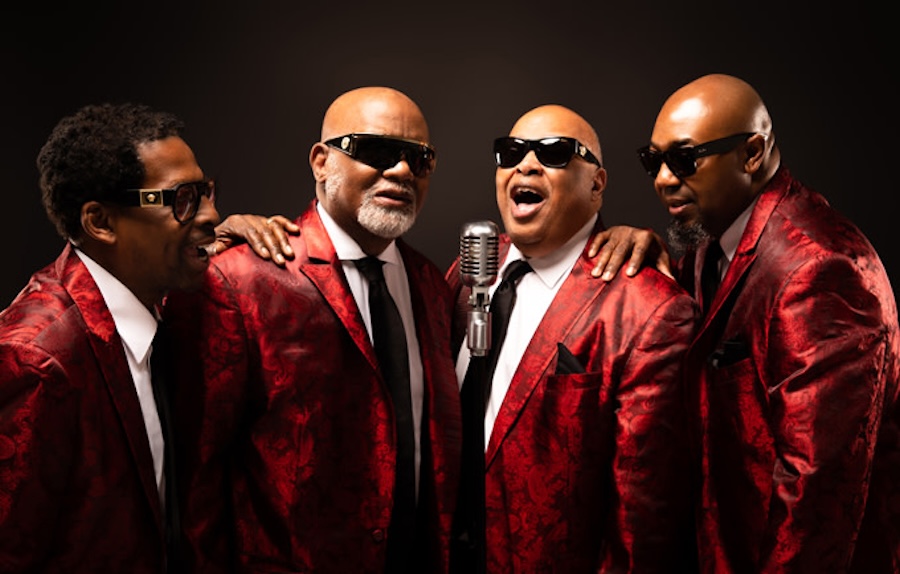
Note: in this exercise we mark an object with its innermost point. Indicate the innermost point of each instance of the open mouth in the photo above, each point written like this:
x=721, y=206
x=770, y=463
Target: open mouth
x=525, y=196
x=525, y=202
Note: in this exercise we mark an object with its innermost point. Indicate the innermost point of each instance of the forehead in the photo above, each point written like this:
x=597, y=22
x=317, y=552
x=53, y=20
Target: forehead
x=168, y=161
x=684, y=120
x=385, y=116
x=541, y=124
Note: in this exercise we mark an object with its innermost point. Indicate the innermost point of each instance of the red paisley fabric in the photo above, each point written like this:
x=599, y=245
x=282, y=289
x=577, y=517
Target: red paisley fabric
x=77, y=488
x=291, y=447
x=587, y=472
x=795, y=376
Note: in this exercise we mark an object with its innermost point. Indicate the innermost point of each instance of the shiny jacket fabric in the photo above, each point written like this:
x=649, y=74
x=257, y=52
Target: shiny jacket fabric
x=797, y=365
x=291, y=451
x=77, y=488
x=586, y=472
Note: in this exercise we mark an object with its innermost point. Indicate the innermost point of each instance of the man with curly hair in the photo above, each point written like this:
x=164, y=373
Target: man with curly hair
x=85, y=449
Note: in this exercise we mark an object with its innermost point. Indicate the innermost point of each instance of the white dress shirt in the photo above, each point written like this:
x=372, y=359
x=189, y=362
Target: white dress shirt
x=136, y=326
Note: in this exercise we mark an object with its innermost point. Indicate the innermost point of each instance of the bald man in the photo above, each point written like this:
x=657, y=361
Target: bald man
x=298, y=435
x=794, y=371
x=584, y=442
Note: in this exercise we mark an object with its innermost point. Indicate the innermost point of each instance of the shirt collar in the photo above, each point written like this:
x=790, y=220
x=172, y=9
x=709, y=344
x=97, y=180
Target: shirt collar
x=552, y=268
x=732, y=236
x=135, y=324
x=345, y=247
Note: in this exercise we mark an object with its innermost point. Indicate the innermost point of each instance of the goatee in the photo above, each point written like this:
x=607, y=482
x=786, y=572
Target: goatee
x=683, y=236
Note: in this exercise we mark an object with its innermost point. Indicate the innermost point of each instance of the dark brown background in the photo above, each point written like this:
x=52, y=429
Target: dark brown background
x=252, y=81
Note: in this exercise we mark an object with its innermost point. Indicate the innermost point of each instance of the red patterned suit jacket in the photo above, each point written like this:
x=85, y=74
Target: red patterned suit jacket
x=294, y=411
x=77, y=489
x=586, y=471
x=798, y=364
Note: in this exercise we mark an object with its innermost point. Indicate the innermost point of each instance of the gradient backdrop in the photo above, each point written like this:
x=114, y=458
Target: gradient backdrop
x=252, y=81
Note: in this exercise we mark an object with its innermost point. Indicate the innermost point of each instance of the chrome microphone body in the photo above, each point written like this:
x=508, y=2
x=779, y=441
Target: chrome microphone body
x=478, y=264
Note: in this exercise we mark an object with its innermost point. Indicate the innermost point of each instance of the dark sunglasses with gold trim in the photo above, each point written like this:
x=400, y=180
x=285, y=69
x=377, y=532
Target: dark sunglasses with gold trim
x=184, y=198
x=384, y=152
x=682, y=160
x=554, y=151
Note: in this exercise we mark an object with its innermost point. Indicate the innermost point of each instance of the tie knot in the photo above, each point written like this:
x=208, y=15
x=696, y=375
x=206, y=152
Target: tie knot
x=515, y=270
x=370, y=267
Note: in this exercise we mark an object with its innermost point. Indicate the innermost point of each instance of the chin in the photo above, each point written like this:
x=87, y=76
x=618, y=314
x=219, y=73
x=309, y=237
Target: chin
x=683, y=235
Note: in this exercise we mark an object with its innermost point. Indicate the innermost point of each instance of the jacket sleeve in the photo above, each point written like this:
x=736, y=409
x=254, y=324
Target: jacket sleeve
x=825, y=370
x=38, y=432
x=651, y=512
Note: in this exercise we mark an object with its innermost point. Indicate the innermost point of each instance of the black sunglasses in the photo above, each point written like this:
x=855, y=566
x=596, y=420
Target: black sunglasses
x=550, y=151
x=384, y=152
x=184, y=198
x=682, y=161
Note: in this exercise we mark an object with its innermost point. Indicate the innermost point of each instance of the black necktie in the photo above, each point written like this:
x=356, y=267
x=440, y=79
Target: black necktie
x=501, y=308
x=468, y=551
x=709, y=277
x=160, y=373
x=390, y=348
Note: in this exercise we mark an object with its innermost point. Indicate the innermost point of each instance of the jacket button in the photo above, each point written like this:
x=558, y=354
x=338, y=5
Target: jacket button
x=378, y=535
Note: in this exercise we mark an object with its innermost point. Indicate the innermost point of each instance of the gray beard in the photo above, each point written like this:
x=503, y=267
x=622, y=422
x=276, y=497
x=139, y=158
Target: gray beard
x=683, y=237
x=386, y=223
x=381, y=222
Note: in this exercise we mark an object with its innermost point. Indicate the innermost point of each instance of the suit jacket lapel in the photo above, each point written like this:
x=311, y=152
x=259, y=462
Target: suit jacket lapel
x=110, y=356
x=326, y=272
x=768, y=200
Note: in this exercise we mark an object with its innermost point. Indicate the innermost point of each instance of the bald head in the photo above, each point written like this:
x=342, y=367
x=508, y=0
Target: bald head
x=725, y=103
x=556, y=120
x=375, y=110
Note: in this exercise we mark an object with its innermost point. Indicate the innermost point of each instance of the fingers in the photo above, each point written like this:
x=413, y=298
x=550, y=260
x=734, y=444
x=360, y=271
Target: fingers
x=266, y=236
x=664, y=265
x=276, y=237
x=598, y=242
x=618, y=245
x=613, y=256
x=216, y=247
x=284, y=224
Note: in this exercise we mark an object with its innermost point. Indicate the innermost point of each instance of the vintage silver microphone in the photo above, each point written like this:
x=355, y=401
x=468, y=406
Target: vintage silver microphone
x=478, y=264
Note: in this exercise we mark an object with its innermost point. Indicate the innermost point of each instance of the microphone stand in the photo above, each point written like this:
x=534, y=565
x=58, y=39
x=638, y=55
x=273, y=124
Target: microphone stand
x=476, y=472
x=472, y=540
x=478, y=259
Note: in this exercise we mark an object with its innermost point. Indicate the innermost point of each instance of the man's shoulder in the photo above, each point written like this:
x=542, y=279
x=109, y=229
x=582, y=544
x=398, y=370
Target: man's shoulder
x=45, y=315
x=648, y=290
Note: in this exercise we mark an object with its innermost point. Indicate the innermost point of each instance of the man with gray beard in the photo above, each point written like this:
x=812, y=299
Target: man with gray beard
x=302, y=454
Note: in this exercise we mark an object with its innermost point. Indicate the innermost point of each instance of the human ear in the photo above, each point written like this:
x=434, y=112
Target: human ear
x=317, y=156
x=98, y=222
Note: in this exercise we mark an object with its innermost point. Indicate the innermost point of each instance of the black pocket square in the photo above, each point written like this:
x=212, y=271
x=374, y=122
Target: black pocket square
x=566, y=363
x=729, y=353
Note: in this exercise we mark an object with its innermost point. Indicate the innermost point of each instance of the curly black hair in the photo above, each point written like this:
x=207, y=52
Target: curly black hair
x=92, y=155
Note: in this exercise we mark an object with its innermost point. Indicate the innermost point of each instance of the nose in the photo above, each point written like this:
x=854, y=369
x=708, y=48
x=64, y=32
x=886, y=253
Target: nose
x=207, y=212
x=529, y=164
x=400, y=171
x=665, y=177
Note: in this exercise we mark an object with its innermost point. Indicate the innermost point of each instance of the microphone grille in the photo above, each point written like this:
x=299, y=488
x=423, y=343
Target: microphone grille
x=478, y=253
